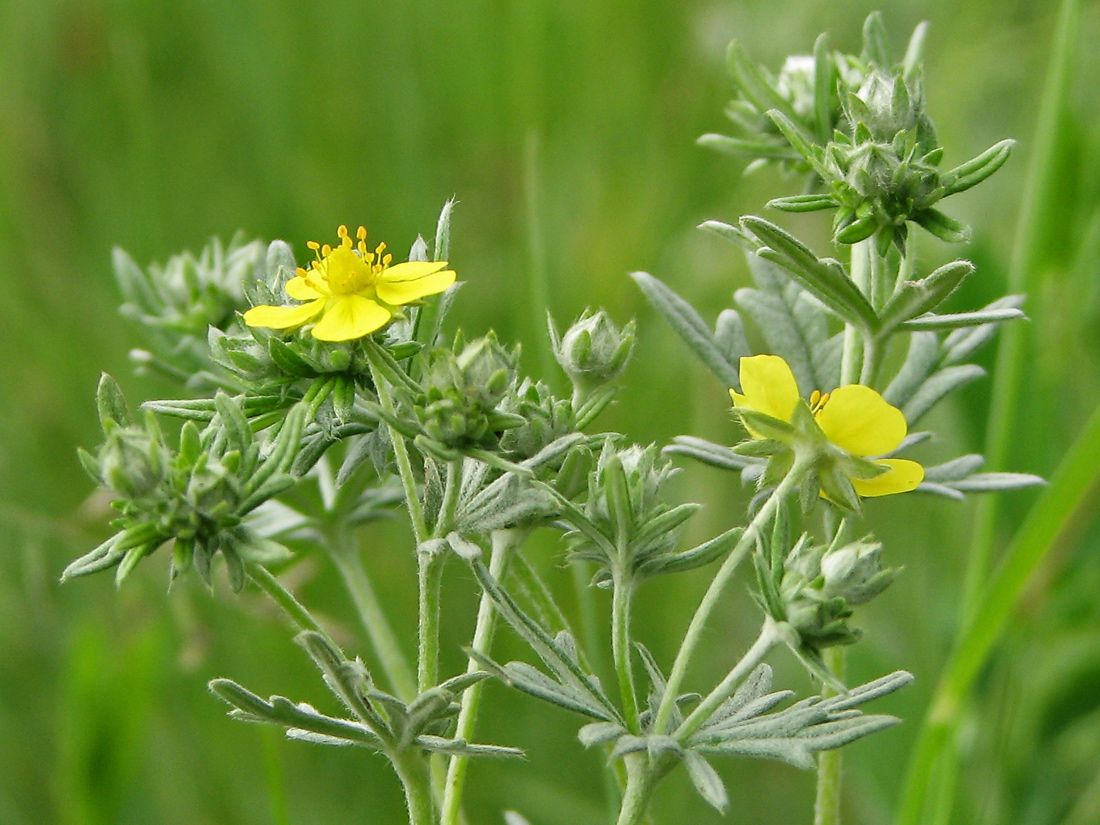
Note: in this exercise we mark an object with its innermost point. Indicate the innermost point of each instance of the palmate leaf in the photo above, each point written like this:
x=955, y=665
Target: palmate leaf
x=953, y=479
x=744, y=725
x=794, y=326
x=569, y=686
x=933, y=368
x=713, y=351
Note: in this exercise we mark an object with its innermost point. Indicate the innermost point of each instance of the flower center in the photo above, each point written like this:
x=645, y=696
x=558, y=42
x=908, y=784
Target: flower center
x=350, y=268
x=818, y=400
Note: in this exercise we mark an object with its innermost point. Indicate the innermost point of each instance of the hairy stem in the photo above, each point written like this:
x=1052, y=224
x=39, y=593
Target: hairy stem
x=641, y=779
x=767, y=639
x=412, y=769
x=504, y=541
x=829, y=763
x=293, y=608
x=393, y=660
x=622, y=596
x=714, y=591
x=429, y=579
x=400, y=451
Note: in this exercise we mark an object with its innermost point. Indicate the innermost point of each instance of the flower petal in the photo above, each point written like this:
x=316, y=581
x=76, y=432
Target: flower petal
x=350, y=316
x=301, y=289
x=769, y=386
x=283, y=317
x=405, y=283
x=902, y=476
x=859, y=420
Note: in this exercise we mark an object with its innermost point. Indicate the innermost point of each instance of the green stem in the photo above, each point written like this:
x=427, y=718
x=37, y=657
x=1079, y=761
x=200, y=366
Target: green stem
x=298, y=614
x=830, y=763
x=870, y=361
x=640, y=782
x=393, y=660
x=504, y=541
x=714, y=592
x=767, y=639
x=444, y=523
x=412, y=769
x=622, y=596
x=400, y=451
x=429, y=579
x=861, y=277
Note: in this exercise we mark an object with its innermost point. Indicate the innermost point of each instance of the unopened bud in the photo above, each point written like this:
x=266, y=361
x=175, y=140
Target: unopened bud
x=594, y=351
x=855, y=572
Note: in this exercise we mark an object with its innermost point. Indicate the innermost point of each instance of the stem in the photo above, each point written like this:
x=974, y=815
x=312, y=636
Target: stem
x=829, y=763
x=861, y=277
x=714, y=591
x=400, y=451
x=622, y=596
x=298, y=614
x=767, y=639
x=444, y=522
x=429, y=579
x=640, y=781
x=394, y=663
x=870, y=361
x=504, y=541
x=412, y=769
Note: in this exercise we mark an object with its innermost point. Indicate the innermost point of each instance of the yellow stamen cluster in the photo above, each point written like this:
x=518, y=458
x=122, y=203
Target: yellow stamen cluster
x=351, y=291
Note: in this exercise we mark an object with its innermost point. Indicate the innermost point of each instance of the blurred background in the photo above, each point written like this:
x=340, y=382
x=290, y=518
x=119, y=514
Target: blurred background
x=566, y=131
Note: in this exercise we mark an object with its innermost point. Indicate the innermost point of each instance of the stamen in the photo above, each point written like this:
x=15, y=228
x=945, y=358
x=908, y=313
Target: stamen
x=815, y=396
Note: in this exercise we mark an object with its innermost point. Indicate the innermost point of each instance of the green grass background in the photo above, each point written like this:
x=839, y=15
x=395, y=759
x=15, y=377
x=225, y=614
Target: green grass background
x=155, y=125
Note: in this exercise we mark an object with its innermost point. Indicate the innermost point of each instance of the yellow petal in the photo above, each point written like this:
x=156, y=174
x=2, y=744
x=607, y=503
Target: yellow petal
x=859, y=420
x=283, y=317
x=350, y=316
x=301, y=289
x=405, y=283
x=904, y=475
x=769, y=386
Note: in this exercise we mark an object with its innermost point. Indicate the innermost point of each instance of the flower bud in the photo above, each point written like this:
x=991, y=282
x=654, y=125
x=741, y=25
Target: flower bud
x=796, y=83
x=130, y=462
x=855, y=572
x=487, y=370
x=593, y=351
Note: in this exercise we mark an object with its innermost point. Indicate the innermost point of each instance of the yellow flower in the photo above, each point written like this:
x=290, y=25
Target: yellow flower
x=351, y=291
x=854, y=418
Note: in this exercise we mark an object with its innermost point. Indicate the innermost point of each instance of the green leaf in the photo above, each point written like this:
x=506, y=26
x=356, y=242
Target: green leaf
x=716, y=455
x=755, y=86
x=964, y=319
x=706, y=781
x=825, y=279
x=913, y=298
x=771, y=149
x=875, y=49
x=288, y=360
x=234, y=422
x=111, y=405
x=803, y=203
x=685, y=321
x=733, y=234
x=825, y=80
x=936, y=387
x=977, y=169
x=943, y=227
